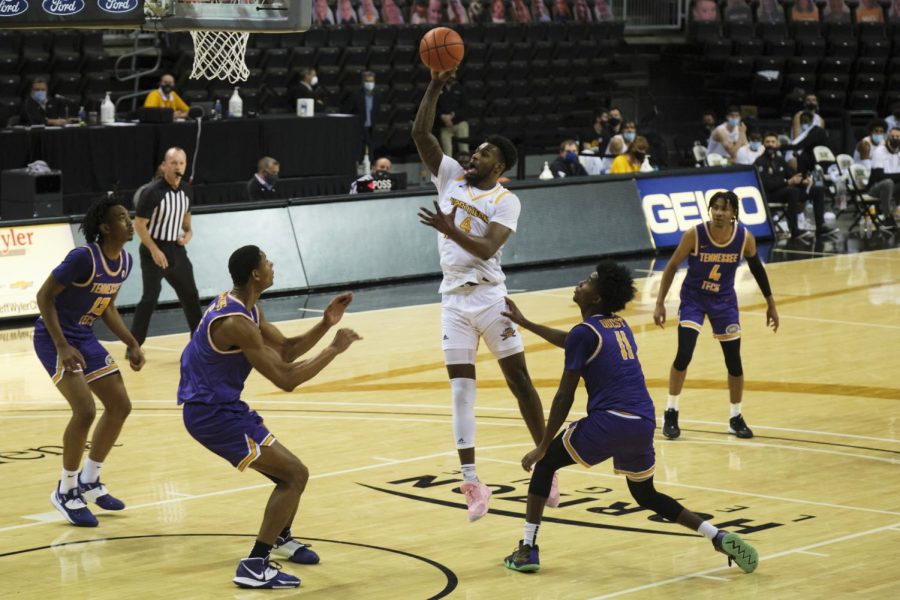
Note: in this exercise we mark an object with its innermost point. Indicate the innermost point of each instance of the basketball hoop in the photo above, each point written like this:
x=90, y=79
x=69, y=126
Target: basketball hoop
x=220, y=55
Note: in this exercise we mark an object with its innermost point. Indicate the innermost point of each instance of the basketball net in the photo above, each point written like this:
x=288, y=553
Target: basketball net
x=220, y=55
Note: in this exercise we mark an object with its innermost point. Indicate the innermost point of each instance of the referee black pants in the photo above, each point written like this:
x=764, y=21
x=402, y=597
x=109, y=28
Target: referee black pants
x=179, y=274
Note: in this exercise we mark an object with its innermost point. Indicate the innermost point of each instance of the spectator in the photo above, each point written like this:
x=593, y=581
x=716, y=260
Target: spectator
x=561, y=11
x=391, y=13
x=603, y=11
x=708, y=123
x=520, y=12
x=583, y=12
x=810, y=104
x=346, y=15
x=307, y=89
x=567, y=165
x=613, y=123
x=869, y=11
x=262, y=185
x=539, y=12
x=167, y=97
x=368, y=14
x=451, y=108
x=805, y=10
x=498, y=11
x=866, y=146
x=620, y=142
x=378, y=180
x=365, y=104
x=476, y=12
x=802, y=159
x=38, y=109
x=418, y=14
x=783, y=186
x=729, y=136
x=769, y=11
x=436, y=12
x=593, y=139
x=322, y=13
x=705, y=11
x=836, y=11
x=633, y=158
x=893, y=119
x=748, y=153
x=456, y=13
x=737, y=11
x=884, y=181
x=894, y=11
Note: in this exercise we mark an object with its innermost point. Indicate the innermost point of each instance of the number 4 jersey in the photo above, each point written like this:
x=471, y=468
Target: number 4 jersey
x=711, y=266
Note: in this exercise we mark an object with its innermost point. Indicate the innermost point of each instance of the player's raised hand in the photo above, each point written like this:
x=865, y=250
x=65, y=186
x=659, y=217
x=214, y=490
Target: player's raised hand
x=513, y=313
x=334, y=312
x=443, y=76
x=659, y=315
x=136, y=359
x=443, y=222
x=344, y=338
x=70, y=358
x=532, y=458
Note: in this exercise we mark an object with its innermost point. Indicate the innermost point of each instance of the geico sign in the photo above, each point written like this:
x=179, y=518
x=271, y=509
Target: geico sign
x=679, y=211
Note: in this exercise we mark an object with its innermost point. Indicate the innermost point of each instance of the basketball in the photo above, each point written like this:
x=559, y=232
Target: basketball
x=441, y=49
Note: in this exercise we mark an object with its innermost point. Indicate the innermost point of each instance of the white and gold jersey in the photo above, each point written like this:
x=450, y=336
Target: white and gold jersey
x=476, y=208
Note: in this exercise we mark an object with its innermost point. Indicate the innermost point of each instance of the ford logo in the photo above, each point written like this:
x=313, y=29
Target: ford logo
x=117, y=6
x=12, y=8
x=63, y=8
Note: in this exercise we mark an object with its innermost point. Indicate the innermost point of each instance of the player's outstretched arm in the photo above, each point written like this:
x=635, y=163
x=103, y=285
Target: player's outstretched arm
x=482, y=247
x=428, y=146
x=557, y=337
x=762, y=280
x=245, y=335
x=290, y=349
x=685, y=246
x=114, y=321
x=562, y=404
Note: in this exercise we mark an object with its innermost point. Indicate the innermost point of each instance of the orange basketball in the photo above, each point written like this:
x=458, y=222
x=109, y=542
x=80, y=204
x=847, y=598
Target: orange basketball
x=441, y=49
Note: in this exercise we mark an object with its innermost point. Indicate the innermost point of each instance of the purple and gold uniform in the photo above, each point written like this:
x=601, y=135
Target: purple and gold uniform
x=621, y=418
x=91, y=282
x=212, y=380
x=708, y=288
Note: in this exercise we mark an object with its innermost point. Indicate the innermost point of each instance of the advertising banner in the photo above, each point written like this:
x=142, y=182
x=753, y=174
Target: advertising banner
x=70, y=13
x=27, y=255
x=674, y=204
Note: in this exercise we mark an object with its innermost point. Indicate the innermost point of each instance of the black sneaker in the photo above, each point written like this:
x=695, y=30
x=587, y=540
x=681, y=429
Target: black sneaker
x=737, y=550
x=738, y=427
x=670, y=424
x=524, y=558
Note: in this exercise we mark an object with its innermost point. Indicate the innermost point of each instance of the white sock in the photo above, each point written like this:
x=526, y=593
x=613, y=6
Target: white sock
x=469, y=472
x=735, y=409
x=708, y=530
x=463, y=391
x=68, y=481
x=531, y=530
x=90, y=472
x=673, y=401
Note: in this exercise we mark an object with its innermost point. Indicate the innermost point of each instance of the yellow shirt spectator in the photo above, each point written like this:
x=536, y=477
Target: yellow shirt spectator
x=155, y=100
x=623, y=164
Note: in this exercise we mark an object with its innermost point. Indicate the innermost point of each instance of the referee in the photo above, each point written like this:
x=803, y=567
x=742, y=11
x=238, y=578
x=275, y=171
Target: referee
x=163, y=222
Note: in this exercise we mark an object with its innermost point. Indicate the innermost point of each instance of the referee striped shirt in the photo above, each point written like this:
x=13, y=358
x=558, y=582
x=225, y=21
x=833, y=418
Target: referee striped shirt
x=165, y=207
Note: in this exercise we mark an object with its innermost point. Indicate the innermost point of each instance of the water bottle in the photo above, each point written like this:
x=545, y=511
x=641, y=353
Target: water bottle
x=546, y=173
x=107, y=111
x=366, y=164
x=217, y=110
x=235, y=106
x=82, y=115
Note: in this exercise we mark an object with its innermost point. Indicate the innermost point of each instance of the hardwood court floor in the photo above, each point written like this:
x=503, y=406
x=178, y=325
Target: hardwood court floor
x=817, y=491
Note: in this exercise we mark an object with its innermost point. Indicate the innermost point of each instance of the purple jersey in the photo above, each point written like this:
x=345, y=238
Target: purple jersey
x=211, y=375
x=711, y=266
x=603, y=350
x=92, y=281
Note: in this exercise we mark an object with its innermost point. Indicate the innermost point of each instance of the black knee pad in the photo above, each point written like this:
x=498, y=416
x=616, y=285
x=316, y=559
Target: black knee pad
x=732, y=352
x=687, y=341
x=647, y=496
x=542, y=476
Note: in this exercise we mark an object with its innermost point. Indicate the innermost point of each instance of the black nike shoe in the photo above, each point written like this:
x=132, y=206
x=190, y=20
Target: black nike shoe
x=738, y=427
x=670, y=424
x=743, y=554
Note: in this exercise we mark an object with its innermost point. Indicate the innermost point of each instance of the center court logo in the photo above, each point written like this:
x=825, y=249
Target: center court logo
x=117, y=6
x=12, y=8
x=63, y=8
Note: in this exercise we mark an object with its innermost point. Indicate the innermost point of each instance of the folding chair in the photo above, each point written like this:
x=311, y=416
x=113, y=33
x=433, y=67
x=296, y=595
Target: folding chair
x=866, y=207
x=699, y=155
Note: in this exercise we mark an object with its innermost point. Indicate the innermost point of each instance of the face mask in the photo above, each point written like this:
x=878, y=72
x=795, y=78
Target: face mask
x=369, y=85
x=754, y=146
x=629, y=136
x=571, y=157
x=40, y=96
x=166, y=88
x=811, y=106
x=271, y=178
x=640, y=156
x=613, y=122
x=735, y=121
x=894, y=143
x=771, y=151
x=877, y=138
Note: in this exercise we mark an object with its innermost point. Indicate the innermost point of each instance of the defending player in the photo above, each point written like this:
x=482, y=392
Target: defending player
x=714, y=251
x=234, y=338
x=620, y=417
x=80, y=290
x=474, y=217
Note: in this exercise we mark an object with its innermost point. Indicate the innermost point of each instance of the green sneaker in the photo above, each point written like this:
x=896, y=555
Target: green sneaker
x=524, y=558
x=736, y=549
